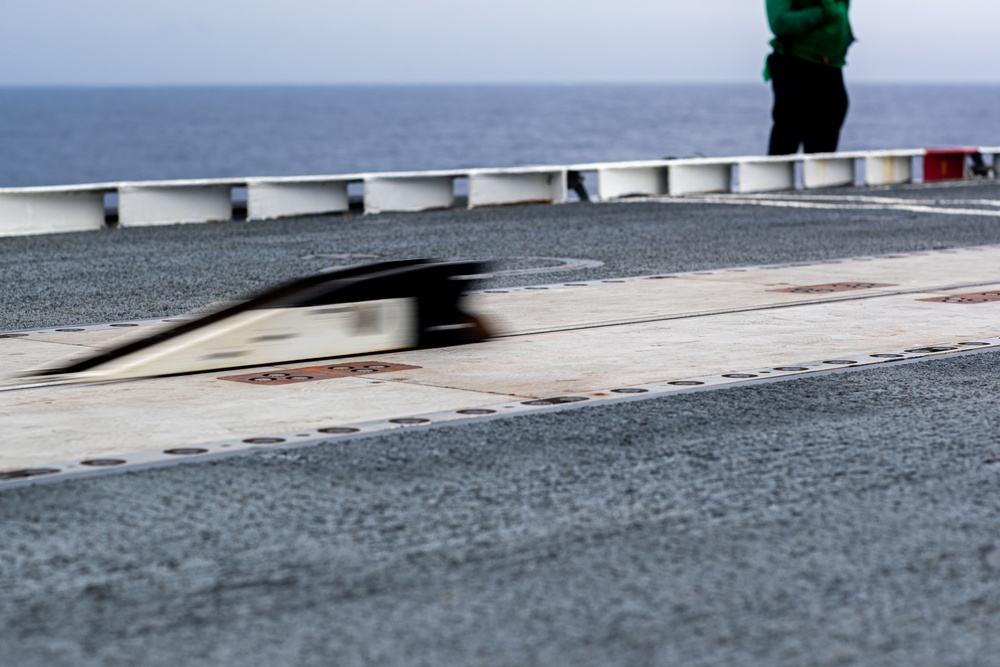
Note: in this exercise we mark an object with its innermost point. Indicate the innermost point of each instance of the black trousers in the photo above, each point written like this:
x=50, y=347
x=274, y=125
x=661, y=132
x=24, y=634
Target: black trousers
x=810, y=104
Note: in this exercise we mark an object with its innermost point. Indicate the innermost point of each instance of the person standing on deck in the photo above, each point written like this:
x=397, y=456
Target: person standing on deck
x=811, y=38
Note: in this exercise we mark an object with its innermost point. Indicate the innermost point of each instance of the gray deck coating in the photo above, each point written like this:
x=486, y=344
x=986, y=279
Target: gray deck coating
x=848, y=519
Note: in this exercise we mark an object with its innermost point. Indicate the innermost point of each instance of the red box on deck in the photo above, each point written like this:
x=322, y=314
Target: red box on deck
x=946, y=164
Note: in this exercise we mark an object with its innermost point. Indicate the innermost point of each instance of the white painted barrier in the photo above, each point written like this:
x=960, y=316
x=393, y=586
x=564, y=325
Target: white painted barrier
x=286, y=197
x=51, y=210
x=409, y=192
x=496, y=187
x=765, y=174
x=890, y=167
x=827, y=170
x=699, y=175
x=994, y=153
x=629, y=179
x=171, y=202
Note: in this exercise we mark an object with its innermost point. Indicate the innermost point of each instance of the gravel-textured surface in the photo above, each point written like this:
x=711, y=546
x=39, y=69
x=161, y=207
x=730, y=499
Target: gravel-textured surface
x=848, y=519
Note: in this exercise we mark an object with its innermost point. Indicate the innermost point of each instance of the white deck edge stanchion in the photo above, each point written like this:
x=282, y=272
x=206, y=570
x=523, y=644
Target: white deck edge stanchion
x=765, y=174
x=629, y=179
x=890, y=167
x=51, y=210
x=411, y=191
x=699, y=176
x=827, y=170
x=173, y=202
x=497, y=187
x=994, y=153
x=286, y=197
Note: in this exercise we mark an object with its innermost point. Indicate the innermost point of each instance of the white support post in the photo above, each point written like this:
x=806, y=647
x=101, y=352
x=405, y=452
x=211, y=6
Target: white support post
x=149, y=204
x=827, y=170
x=766, y=175
x=888, y=168
x=627, y=181
x=50, y=211
x=993, y=152
x=515, y=186
x=697, y=176
x=408, y=193
x=282, y=199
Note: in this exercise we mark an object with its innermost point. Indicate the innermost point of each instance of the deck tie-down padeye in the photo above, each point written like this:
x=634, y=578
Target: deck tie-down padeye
x=377, y=307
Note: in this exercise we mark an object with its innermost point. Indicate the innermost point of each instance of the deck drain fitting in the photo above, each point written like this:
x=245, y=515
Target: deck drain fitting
x=739, y=375
x=790, y=369
x=630, y=390
x=338, y=430
x=685, y=383
x=185, y=451
x=264, y=441
x=409, y=421
x=477, y=412
x=929, y=350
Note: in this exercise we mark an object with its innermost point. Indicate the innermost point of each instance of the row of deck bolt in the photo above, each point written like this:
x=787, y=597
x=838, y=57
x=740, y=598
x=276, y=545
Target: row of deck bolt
x=29, y=473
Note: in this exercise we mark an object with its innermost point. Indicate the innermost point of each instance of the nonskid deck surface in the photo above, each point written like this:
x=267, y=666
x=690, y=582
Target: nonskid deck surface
x=555, y=345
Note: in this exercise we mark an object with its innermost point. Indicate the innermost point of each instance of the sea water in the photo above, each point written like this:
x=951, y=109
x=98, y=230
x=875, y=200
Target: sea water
x=57, y=136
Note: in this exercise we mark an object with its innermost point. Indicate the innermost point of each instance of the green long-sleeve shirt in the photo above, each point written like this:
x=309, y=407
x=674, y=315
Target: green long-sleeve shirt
x=817, y=31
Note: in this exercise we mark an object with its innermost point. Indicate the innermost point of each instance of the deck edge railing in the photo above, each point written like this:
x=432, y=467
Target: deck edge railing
x=92, y=206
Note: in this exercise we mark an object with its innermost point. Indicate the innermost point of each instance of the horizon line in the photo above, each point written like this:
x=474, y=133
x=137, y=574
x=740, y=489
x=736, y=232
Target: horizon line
x=445, y=84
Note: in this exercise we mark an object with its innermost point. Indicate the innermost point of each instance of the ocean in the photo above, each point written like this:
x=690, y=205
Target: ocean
x=58, y=136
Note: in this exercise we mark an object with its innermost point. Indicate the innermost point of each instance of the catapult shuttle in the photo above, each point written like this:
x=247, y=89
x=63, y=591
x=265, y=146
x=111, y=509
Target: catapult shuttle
x=391, y=305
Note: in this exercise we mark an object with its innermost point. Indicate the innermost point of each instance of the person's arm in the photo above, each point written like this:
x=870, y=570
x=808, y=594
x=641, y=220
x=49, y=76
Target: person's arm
x=788, y=22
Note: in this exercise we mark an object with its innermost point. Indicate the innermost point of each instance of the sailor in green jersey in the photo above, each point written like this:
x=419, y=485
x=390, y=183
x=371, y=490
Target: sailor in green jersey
x=811, y=38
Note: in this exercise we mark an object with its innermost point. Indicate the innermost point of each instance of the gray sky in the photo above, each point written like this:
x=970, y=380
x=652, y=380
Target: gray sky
x=418, y=41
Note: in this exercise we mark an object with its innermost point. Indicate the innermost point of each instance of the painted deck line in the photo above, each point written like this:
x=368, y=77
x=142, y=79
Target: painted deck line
x=872, y=199
x=580, y=340
x=806, y=202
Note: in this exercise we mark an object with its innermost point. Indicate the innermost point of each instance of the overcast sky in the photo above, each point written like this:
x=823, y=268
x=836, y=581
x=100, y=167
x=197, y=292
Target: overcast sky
x=468, y=41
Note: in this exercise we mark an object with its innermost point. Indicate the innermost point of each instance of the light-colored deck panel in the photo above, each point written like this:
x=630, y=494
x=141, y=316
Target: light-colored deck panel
x=595, y=359
x=79, y=422
x=696, y=324
x=724, y=289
